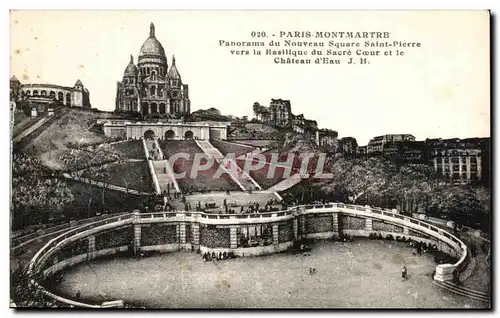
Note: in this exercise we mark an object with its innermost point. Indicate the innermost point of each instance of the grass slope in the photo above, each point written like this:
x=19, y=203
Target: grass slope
x=71, y=129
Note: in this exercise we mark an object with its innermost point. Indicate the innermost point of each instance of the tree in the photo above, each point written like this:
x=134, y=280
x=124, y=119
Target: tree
x=411, y=188
x=24, y=294
x=462, y=204
x=361, y=180
x=89, y=163
x=37, y=192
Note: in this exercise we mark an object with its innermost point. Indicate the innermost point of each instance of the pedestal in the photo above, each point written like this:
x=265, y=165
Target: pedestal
x=182, y=232
x=275, y=234
x=233, y=237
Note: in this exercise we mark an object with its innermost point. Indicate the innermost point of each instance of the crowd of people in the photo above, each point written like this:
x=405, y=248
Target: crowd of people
x=221, y=256
x=154, y=154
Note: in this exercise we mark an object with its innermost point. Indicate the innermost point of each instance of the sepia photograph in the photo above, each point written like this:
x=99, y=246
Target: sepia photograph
x=250, y=159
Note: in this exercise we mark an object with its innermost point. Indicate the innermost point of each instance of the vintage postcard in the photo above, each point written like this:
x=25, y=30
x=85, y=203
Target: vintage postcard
x=250, y=159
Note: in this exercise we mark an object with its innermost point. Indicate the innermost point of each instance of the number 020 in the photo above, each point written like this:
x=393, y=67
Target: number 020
x=258, y=34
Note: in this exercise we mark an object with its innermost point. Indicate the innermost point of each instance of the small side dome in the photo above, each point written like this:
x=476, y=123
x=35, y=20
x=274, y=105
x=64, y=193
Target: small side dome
x=131, y=69
x=173, y=73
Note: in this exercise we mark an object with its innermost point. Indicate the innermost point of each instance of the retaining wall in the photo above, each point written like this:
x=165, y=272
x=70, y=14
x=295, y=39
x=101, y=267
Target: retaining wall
x=220, y=233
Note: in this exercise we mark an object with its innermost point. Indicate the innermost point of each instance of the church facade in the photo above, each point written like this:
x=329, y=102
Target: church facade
x=152, y=87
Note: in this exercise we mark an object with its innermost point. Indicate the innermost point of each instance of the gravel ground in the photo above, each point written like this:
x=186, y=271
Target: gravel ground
x=358, y=274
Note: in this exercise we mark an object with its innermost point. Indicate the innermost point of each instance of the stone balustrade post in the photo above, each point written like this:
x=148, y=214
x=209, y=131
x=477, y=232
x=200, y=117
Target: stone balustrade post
x=295, y=229
x=368, y=224
x=303, y=227
x=196, y=235
x=91, y=241
x=182, y=232
x=275, y=234
x=233, y=237
x=406, y=230
x=335, y=224
x=137, y=233
x=368, y=220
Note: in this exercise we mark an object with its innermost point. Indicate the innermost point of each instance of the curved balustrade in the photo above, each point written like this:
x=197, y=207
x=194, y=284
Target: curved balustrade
x=443, y=271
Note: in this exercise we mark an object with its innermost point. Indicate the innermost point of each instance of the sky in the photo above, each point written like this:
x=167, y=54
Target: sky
x=441, y=89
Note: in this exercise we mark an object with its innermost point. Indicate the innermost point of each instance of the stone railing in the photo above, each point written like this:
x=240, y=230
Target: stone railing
x=448, y=242
x=39, y=263
x=19, y=242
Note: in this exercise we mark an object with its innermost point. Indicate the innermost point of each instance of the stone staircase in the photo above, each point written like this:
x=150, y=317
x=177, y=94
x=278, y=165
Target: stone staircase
x=464, y=291
x=286, y=184
x=148, y=146
x=165, y=172
x=164, y=178
x=242, y=179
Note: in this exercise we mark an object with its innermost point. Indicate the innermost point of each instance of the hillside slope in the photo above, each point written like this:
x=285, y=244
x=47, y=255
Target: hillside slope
x=68, y=131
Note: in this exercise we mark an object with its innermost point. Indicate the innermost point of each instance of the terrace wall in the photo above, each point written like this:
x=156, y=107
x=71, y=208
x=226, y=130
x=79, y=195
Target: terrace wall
x=217, y=233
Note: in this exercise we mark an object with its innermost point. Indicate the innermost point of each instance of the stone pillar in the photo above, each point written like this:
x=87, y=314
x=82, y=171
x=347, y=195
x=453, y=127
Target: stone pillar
x=303, y=224
x=167, y=106
x=233, y=235
x=182, y=232
x=435, y=164
x=275, y=234
x=137, y=238
x=295, y=229
x=406, y=230
x=91, y=248
x=368, y=224
x=335, y=224
x=443, y=166
x=450, y=159
x=196, y=234
x=479, y=167
x=444, y=272
x=467, y=167
x=460, y=166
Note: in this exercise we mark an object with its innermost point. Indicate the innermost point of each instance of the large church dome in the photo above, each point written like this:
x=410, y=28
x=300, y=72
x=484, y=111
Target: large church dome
x=152, y=47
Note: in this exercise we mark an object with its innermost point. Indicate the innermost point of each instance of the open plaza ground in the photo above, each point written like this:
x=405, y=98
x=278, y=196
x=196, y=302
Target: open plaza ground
x=359, y=274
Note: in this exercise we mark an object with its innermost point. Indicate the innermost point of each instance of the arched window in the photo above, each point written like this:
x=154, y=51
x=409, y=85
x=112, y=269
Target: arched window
x=125, y=81
x=35, y=93
x=145, y=108
x=153, y=90
x=188, y=135
x=148, y=70
x=60, y=96
x=169, y=134
x=28, y=93
x=44, y=93
x=52, y=94
x=153, y=75
x=154, y=108
x=68, y=99
x=162, y=108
